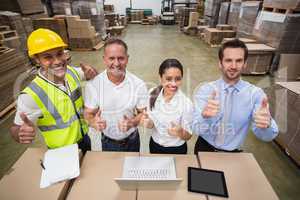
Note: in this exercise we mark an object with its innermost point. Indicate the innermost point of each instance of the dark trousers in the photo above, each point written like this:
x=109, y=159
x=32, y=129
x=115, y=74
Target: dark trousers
x=203, y=145
x=129, y=144
x=157, y=148
x=85, y=143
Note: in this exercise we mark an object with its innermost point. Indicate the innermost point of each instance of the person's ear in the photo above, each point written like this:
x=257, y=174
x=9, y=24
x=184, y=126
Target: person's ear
x=220, y=64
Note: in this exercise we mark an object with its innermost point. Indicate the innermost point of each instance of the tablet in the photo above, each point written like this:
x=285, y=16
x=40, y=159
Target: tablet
x=207, y=181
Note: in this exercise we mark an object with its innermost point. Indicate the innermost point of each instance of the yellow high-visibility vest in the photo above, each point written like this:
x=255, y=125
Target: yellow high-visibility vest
x=62, y=121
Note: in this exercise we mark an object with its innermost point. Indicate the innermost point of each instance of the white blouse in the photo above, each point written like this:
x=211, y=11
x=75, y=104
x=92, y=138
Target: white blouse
x=178, y=110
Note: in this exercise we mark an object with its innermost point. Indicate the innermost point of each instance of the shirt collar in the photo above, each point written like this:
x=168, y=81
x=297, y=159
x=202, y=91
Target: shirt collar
x=160, y=96
x=238, y=86
x=122, y=83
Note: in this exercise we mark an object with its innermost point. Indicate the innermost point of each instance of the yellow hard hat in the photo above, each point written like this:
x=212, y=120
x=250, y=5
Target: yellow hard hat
x=42, y=40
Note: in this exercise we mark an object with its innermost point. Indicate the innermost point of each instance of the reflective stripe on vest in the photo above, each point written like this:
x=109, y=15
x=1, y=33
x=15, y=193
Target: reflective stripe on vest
x=52, y=109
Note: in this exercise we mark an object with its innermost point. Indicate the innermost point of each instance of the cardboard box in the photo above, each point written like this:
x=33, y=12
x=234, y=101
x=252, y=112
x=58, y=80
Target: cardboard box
x=97, y=175
x=286, y=110
x=22, y=6
x=244, y=177
x=245, y=40
x=193, y=19
x=281, y=31
x=289, y=69
x=259, y=58
x=23, y=180
x=283, y=4
x=247, y=17
x=234, y=13
x=223, y=14
x=214, y=36
x=224, y=27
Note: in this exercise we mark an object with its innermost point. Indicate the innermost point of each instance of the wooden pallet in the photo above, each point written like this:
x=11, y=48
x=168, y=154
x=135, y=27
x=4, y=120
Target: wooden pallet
x=281, y=10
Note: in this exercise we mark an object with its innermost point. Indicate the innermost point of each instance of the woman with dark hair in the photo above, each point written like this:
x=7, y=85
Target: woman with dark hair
x=169, y=112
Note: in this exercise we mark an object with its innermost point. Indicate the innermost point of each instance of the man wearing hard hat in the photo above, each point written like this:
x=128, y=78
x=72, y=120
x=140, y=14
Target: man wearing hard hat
x=52, y=102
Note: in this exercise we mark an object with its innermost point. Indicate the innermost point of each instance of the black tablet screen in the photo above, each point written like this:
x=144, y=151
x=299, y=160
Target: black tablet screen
x=207, y=181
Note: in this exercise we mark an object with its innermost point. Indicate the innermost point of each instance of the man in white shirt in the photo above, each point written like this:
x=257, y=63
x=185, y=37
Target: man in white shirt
x=115, y=100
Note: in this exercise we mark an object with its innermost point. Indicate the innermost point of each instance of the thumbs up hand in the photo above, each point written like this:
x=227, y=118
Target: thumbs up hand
x=175, y=130
x=89, y=72
x=125, y=124
x=145, y=120
x=27, y=130
x=98, y=123
x=212, y=107
x=262, y=116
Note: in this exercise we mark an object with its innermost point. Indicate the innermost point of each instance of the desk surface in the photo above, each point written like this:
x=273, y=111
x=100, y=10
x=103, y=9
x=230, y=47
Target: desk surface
x=182, y=163
x=244, y=178
x=96, y=180
x=23, y=182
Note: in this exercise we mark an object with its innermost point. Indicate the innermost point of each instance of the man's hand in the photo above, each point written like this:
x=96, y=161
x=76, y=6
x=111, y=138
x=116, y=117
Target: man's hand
x=175, y=130
x=213, y=106
x=89, y=72
x=98, y=123
x=27, y=130
x=125, y=124
x=145, y=120
x=262, y=116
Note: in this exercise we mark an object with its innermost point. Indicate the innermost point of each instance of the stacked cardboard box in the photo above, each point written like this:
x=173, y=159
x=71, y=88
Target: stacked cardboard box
x=15, y=22
x=259, y=59
x=289, y=69
x=193, y=19
x=223, y=14
x=12, y=64
x=22, y=6
x=9, y=38
x=245, y=40
x=247, y=17
x=184, y=16
x=281, y=31
x=112, y=19
x=285, y=107
x=61, y=7
x=54, y=24
x=93, y=10
x=233, y=14
x=82, y=34
x=137, y=15
x=283, y=4
x=214, y=36
x=211, y=11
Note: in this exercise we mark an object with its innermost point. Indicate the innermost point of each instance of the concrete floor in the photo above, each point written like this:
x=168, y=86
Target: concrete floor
x=148, y=47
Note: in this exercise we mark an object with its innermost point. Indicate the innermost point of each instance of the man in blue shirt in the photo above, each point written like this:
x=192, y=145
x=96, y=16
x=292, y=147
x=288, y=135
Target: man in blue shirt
x=225, y=108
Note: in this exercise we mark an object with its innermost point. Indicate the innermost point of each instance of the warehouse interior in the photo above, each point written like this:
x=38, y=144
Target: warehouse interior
x=189, y=30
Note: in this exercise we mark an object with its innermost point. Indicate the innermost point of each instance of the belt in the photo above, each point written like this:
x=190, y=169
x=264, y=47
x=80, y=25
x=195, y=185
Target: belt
x=122, y=141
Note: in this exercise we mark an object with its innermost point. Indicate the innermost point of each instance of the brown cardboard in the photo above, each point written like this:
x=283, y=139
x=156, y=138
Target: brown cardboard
x=193, y=19
x=245, y=40
x=224, y=27
x=244, y=177
x=259, y=58
x=96, y=180
x=289, y=67
x=182, y=162
x=214, y=36
x=23, y=180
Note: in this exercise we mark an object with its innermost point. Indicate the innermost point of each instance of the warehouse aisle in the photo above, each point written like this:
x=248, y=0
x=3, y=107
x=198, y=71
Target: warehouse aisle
x=148, y=47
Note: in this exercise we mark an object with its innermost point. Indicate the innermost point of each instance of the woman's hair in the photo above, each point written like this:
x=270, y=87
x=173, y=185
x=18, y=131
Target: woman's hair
x=166, y=64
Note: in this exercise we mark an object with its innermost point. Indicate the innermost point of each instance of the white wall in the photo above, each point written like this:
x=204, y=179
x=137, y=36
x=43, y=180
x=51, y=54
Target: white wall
x=121, y=5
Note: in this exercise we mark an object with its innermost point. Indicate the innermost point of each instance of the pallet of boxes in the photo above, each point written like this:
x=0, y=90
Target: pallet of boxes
x=82, y=35
x=278, y=25
x=215, y=36
x=13, y=76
